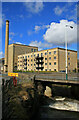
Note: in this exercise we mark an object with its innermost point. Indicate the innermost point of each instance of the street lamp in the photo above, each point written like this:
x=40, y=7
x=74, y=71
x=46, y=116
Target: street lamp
x=66, y=48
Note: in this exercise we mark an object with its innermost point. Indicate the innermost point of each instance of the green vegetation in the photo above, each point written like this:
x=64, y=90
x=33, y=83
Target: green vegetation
x=34, y=71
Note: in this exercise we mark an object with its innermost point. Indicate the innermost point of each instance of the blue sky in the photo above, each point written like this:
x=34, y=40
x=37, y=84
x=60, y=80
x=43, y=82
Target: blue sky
x=40, y=24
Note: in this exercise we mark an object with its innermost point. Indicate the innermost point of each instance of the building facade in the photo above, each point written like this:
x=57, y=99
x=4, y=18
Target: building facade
x=48, y=60
x=17, y=49
x=2, y=61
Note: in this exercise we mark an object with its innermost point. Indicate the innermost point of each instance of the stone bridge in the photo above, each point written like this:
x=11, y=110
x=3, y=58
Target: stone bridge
x=45, y=85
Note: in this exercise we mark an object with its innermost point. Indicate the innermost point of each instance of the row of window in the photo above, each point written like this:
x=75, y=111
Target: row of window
x=37, y=54
x=28, y=65
x=50, y=58
x=50, y=63
x=41, y=54
x=50, y=69
x=46, y=59
x=33, y=50
x=45, y=64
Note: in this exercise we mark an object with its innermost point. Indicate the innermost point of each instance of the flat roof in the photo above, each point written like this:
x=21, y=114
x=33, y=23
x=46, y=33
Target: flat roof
x=22, y=45
x=59, y=48
x=67, y=49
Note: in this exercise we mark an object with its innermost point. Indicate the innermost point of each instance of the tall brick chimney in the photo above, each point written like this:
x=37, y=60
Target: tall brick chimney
x=6, y=46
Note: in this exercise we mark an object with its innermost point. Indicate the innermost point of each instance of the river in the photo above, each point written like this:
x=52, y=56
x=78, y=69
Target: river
x=58, y=108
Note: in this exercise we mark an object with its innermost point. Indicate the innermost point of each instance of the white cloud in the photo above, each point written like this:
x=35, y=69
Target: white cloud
x=58, y=10
x=56, y=33
x=12, y=33
x=2, y=19
x=10, y=39
x=34, y=7
x=37, y=28
x=40, y=45
x=18, y=43
x=1, y=54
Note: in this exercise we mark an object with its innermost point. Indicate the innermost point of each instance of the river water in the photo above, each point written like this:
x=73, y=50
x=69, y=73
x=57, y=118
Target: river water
x=58, y=108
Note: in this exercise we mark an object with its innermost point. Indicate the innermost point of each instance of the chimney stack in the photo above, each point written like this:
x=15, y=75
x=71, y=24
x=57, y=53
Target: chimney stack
x=6, y=46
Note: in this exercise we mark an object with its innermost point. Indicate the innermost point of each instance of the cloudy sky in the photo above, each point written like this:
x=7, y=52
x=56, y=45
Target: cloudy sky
x=41, y=24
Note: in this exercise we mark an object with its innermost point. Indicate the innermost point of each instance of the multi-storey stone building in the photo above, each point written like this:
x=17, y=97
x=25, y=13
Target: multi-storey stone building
x=48, y=60
x=1, y=65
x=17, y=49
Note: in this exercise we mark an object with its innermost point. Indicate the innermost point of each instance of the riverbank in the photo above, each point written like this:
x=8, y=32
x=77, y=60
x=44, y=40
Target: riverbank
x=18, y=102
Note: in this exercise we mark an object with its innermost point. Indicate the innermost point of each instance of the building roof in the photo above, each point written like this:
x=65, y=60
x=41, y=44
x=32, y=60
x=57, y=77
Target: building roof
x=67, y=49
x=22, y=45
x=59, y=48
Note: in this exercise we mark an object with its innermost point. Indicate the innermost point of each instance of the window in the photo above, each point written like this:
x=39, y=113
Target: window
x=45, y=69
x=68, y=53
x=28, y=60
x=49, y=63
x=45, y=58
x=54, y=69
x=34, y=59
x=54, y=63
x=41, y=54
x=50, y=53
x=68, y=63
x=49, y=69
x=49, y=58
x=31, y=55
x=54, y=58
x=28, y=56
x=38, y=55
x=68, y=58
x=18, y=57
x=31, y=59
x=45, y=53
x=45, y=63
x=31, y=64
x=34, y=64
x=32, y=49
x=28, y=64
x=54, y=52
x=25, y=57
